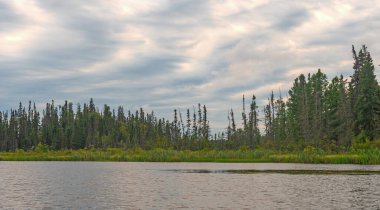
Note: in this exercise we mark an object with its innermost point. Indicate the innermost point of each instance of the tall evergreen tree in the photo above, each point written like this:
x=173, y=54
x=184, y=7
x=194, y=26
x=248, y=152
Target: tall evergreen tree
x=367, y=102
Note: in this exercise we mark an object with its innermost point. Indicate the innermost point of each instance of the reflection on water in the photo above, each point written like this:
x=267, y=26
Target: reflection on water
x=282, y=171
x=88, y=185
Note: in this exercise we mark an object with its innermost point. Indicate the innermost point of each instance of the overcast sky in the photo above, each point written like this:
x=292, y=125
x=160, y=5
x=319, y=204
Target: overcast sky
x=165, y=55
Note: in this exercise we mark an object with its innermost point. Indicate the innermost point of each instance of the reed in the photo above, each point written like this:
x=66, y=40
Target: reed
x=371, y=156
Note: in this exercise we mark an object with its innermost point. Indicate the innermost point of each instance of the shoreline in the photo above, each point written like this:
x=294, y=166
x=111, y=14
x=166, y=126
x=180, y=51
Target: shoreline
x=365, y=157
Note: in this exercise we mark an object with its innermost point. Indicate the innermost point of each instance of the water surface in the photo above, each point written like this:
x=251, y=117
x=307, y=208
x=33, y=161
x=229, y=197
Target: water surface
x=106, y=185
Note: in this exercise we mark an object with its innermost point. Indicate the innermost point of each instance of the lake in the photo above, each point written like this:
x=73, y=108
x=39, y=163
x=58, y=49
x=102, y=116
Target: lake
x=114, y=185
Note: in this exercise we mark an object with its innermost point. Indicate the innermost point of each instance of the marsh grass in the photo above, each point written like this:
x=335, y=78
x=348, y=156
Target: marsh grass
x=371, y=156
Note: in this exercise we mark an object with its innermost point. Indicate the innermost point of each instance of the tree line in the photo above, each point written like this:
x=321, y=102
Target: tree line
x=330, y=115
x=324, y=114
x=60, y=127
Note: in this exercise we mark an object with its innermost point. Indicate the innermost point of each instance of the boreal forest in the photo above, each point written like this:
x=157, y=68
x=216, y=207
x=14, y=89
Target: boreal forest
x=326, y=114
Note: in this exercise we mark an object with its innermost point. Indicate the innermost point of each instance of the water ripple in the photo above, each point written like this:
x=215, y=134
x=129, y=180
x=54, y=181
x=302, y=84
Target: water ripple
x=92, y=185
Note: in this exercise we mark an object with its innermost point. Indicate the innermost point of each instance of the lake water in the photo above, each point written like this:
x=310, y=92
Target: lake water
x=103, y=185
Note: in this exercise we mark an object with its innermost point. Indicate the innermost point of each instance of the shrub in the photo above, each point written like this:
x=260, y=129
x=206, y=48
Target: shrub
x=361, y=142
x=376, y=144
x=42, y=147
x=309, y=149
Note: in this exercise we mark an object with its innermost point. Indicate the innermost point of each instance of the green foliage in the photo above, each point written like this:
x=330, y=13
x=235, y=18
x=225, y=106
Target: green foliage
x=19, y=151
x=361, y=142
x=310, y=155
x=310, y=149
x=42, y=147
x=376, y=144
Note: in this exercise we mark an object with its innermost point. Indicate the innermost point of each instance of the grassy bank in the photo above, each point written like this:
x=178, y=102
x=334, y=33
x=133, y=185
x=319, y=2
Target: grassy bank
x=162, y=155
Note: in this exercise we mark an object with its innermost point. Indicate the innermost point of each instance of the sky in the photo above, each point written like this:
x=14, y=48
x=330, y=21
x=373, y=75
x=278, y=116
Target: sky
x=173, y=54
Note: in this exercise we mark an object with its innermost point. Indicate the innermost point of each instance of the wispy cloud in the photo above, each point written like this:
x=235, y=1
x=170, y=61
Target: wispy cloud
x=170, y=54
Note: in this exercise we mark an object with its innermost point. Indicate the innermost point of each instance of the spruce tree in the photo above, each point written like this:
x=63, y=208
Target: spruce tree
x=367, y=101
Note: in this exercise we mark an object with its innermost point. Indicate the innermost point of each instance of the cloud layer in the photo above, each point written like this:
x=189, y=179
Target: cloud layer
x=164, y=55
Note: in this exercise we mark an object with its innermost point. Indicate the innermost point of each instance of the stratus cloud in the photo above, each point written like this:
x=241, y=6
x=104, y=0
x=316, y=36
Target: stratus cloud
x=163, y=55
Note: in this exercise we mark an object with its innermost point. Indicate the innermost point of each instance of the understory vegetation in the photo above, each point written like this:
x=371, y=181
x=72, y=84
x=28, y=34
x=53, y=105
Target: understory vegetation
x=319, y=121
x=309, y=155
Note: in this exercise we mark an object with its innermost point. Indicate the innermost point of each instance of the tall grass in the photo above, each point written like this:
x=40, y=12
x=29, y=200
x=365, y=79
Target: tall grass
x=371, y=156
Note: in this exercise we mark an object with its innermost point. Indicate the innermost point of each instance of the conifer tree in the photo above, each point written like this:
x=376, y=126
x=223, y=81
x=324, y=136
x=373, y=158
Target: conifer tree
x=367, y=101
